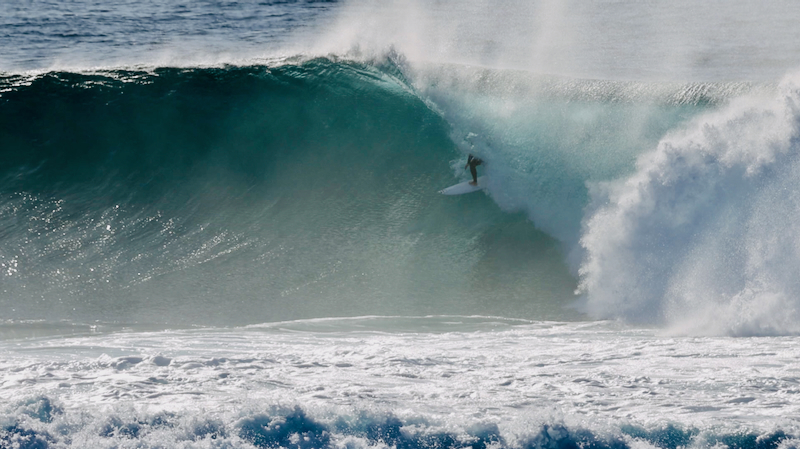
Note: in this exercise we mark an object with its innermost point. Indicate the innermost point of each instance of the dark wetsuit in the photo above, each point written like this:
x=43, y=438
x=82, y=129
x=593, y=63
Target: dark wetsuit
x=473, y=162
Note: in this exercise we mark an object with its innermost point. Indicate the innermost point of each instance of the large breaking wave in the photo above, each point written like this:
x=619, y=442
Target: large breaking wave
x=307, y=188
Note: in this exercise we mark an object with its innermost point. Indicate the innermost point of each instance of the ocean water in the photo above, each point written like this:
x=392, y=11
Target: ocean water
x=220, y=226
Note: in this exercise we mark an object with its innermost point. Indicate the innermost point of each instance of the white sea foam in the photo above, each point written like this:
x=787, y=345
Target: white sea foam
x=471, y=372
x=703, y=237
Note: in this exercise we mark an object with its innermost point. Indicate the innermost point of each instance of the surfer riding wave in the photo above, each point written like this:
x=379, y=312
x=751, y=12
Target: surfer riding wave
x=472, y=163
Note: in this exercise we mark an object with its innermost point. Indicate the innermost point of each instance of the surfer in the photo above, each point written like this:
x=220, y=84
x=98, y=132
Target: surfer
x=473, y=162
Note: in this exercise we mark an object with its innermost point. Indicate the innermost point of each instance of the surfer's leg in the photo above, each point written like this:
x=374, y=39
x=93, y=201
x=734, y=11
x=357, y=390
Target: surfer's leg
x=474, y=172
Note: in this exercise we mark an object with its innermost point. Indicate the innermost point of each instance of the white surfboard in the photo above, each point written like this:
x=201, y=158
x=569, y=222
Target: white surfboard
x=465, y=187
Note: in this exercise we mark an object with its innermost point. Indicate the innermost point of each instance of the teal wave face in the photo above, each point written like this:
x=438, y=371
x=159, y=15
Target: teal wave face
x=250, y=194
x=72, y=129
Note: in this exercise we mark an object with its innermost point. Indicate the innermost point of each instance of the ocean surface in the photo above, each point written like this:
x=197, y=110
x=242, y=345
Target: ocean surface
x=220, y=226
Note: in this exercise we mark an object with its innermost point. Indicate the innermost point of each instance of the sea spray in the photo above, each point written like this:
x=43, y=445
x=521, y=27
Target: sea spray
x=703, y=237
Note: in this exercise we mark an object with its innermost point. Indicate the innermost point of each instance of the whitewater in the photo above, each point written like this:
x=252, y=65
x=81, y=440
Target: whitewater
x=220, y=226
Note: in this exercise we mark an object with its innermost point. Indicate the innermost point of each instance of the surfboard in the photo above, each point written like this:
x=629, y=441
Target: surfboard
x=465, y=187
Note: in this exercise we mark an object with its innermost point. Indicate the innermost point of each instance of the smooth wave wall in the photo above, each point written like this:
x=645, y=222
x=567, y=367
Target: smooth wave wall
x=236, y=195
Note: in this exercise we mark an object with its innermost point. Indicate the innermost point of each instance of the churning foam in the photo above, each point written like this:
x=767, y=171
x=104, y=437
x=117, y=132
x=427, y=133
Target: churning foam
x=705, y=236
